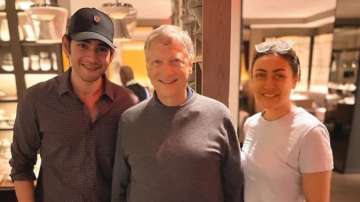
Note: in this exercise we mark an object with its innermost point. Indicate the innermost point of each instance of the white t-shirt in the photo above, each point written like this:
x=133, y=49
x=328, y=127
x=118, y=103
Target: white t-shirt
x=276, y=153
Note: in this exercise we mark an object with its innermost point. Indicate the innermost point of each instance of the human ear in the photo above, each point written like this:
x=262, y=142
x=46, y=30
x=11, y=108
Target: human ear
x=66, y=45
x=112, y=53
x=295, y=81
x=190, y=68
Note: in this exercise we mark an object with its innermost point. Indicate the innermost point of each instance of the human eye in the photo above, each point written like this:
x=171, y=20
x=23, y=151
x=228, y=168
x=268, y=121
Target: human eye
x=82, y=45
x=177, y=62
x=103, y=49
x=260, y=75
x=279, y=76
x=156, y=62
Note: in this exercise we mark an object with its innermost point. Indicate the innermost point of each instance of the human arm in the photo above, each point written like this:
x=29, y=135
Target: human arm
x=231, y=169
x=316, y=186
x=24, y=190
x=316, y=165
x=121, y=171
x=26, y=142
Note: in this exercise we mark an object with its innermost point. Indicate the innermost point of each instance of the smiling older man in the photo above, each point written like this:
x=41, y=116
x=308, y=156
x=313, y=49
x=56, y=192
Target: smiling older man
x=177, y=146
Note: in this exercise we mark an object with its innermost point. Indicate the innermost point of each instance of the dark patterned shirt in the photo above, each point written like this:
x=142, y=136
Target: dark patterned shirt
x=77, y=154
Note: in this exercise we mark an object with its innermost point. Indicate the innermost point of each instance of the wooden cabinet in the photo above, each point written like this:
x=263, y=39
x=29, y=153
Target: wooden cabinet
x=22, y=64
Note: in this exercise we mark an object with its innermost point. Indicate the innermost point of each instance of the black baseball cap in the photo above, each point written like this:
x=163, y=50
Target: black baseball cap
x=91, y=23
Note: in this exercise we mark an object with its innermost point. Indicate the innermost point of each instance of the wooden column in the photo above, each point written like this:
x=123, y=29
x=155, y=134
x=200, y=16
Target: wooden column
x=15, y=46
x=221, y=52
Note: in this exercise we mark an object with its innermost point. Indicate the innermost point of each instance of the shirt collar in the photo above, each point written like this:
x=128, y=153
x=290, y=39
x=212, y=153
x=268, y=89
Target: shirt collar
x=109, y=88
x=132, y=81
x=65, y=85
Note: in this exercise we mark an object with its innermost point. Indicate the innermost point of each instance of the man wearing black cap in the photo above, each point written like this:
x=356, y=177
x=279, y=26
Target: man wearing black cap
x=71, y=120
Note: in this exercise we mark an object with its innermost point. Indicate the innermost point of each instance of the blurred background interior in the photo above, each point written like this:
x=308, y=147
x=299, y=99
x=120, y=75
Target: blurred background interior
x=326, y=35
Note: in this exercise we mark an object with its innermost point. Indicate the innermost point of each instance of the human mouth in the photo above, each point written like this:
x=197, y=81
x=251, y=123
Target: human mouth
x=90, y=67
x=268, y=95
x=167, y=82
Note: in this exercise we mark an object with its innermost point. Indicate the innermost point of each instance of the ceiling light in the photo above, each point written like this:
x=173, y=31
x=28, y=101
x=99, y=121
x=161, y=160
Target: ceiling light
x=124, y=18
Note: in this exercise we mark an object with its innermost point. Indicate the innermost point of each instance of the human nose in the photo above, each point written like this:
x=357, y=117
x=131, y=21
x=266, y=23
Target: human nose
x=91, y=54
x=167, y=69
x=269, y=82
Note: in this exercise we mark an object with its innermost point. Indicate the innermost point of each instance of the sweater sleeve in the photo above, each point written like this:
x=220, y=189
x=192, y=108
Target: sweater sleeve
x=231, y=168
x=26, y=139
x=121, y=170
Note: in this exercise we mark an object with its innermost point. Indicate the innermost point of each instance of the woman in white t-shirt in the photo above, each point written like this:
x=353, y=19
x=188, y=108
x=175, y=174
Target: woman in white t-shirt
x=286, y=156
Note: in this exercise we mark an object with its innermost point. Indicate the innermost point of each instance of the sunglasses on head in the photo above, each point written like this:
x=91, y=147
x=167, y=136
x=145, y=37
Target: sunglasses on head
x=279, y=46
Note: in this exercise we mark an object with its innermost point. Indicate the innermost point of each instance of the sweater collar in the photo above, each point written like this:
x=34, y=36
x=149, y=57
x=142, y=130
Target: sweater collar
x=191, y=95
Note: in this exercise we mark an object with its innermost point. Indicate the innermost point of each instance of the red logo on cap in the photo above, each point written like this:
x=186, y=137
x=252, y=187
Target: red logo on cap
x=97, y=18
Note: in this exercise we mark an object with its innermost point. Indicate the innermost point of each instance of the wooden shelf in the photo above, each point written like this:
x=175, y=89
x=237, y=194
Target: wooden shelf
x=36, y=44
x=5, y=72
x=33, y=72
x=8, y=100
x=42, y=72
x=31, y=44
x=5, y=188
x=4, y=44
x=6, y=185
x=6, y=129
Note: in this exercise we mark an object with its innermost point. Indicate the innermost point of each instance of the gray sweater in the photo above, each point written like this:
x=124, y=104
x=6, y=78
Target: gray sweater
x=188, y=153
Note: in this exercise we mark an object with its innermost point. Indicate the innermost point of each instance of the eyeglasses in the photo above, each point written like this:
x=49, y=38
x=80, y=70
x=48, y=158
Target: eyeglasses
x=279, y=46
